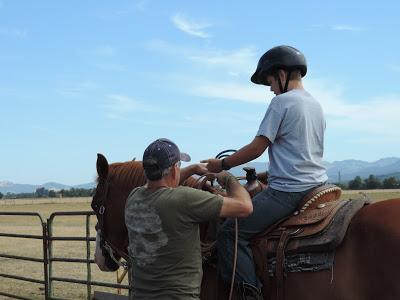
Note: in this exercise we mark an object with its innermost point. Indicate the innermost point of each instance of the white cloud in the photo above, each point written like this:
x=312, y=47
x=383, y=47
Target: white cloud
x=13, y=32
x=343, y=27
x=76, y=90
x=233, y=62
x=141, y=5
x=230, y=91
x=209, y=118
x=239, y=60
x=168, y=48
x=393, y=67
x=121, y=106
x=106, y=50
x=377, y=116
x=190, y=27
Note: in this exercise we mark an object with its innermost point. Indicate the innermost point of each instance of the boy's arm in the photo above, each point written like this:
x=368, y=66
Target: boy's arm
x=243, y=155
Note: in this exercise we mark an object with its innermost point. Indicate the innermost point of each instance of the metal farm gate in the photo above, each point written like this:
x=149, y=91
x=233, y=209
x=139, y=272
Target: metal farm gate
x=48, y=259
x=43, y=260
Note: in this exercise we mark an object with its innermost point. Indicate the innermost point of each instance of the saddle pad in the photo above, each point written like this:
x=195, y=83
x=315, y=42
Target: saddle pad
x=326, y=240
x=303, y=262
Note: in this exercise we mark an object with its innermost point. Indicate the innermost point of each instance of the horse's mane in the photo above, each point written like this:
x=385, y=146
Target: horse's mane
x=131, y=174
x=128, y=174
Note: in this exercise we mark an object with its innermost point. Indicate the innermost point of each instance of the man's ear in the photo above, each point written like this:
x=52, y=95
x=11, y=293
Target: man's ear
x=173, y=170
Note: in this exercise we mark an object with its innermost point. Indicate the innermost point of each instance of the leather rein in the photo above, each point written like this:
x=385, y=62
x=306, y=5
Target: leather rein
x=207, y=247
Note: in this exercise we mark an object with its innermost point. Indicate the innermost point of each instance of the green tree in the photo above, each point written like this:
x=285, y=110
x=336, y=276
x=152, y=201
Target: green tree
x=52, y=194
x=342, y=185
x=390, y=183
x=356, y=183
x=1, y=195
x=372, y=182
x=41, y=192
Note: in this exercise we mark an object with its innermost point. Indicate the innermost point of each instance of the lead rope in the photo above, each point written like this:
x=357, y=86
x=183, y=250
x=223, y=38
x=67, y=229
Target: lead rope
x=199, y=184
x=234, y=259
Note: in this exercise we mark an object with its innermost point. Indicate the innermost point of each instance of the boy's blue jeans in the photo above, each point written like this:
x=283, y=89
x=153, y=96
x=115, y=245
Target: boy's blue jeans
x=269, y=206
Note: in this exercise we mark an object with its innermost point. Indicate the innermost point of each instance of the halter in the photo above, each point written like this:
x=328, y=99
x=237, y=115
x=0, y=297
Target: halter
x=106, y=247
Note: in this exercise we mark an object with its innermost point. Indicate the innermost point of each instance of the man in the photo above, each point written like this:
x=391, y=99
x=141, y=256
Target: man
x=293, y=131
x=163, y=223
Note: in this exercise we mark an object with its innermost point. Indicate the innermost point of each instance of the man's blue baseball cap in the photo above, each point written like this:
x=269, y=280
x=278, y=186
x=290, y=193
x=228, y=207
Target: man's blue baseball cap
x=160, y=155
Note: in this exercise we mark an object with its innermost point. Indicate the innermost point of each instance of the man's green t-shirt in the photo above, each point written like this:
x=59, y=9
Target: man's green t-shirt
x=164, y=240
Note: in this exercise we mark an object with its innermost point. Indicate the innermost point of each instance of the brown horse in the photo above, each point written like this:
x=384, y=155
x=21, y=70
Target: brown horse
x=366, y=264
x=114, y=183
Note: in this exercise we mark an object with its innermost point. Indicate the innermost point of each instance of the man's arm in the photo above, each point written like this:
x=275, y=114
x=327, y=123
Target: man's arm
x=198, y=169
x=238, y=202
x=243, y=155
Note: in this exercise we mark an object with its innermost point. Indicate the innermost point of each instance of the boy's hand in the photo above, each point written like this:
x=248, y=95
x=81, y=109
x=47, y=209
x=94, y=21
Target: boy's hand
x=214, y=165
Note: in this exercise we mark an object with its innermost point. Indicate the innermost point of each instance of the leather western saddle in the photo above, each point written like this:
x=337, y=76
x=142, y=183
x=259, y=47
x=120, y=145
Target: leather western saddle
x=319, y=224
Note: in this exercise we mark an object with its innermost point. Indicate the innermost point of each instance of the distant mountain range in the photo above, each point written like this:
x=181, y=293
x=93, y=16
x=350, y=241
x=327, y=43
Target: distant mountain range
x=346, y=170
x=16, y=188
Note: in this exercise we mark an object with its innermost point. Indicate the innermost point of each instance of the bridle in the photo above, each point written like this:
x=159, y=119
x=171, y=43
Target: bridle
x=98, y=206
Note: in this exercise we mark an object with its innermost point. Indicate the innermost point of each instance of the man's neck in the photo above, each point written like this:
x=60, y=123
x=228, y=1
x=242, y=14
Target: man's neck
x=155, y=185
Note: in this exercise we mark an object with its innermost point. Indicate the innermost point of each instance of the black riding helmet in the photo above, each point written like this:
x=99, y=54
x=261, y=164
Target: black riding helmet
x=281, y=57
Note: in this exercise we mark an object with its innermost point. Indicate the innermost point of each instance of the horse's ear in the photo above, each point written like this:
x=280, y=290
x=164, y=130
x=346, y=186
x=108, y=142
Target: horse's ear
x=102, y=166
x=134, y=159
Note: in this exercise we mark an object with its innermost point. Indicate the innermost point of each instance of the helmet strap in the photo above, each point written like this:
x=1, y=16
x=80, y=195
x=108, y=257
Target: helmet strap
x=280, y=84
x=287, y=81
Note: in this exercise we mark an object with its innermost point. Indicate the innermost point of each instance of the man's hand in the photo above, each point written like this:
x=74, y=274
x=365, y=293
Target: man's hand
x=200, y=169
x=222, y=177
x=214, y=165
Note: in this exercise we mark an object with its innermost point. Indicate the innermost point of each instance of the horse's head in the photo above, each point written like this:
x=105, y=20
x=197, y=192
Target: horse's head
x=114, y=183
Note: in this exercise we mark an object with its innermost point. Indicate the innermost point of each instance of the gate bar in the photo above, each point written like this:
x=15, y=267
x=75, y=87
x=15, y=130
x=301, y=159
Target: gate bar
x=43, y=237
x=97, y=283
x=22, y=257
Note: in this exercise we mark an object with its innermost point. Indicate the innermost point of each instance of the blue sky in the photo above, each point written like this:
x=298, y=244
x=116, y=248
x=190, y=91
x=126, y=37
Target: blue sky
x=82, y=77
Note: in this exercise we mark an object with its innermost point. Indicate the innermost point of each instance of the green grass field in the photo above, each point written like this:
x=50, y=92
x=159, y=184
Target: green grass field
x=68, y=226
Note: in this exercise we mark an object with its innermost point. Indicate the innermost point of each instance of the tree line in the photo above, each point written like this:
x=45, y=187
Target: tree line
x=45, y=193
x=370, y=183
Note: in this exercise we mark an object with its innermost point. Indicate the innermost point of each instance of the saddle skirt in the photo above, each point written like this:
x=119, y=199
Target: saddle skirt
x=321, y=229
x=319, y=224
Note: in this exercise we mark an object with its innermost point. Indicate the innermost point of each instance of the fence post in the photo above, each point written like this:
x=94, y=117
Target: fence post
x=45, y=261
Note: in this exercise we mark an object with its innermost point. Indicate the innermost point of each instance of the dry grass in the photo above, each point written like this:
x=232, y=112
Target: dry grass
x=62, y=226
x=375, y=195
